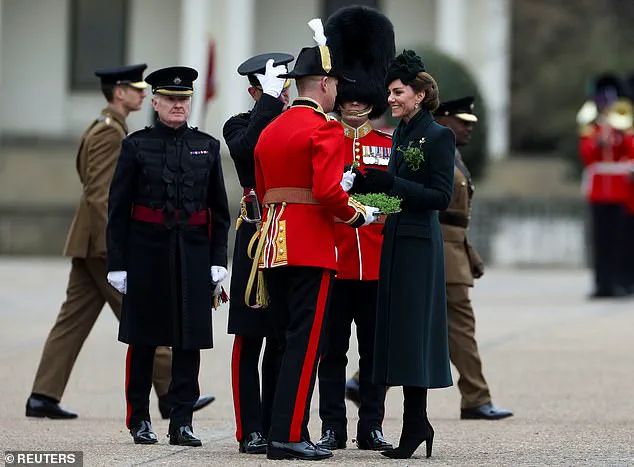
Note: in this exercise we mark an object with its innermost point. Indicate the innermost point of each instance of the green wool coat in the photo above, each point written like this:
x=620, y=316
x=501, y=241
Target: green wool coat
x=411, y=345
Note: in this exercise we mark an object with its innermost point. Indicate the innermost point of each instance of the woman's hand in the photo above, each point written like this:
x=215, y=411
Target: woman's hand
x=378, y=181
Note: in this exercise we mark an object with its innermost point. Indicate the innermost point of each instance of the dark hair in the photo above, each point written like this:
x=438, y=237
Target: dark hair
x=424, y=82
x=108, y=91
x=254, y=81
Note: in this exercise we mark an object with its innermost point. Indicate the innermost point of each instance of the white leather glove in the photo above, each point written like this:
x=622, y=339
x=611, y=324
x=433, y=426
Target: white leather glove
x=218, y=274
x=370, y=214
x=347, y=180
x=119, y=280
x=271, y=84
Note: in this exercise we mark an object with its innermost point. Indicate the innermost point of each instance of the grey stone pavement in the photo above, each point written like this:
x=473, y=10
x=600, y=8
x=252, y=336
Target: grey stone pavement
x=565, y=365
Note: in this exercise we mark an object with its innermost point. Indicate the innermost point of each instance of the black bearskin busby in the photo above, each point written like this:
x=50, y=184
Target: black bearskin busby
x=362, y=42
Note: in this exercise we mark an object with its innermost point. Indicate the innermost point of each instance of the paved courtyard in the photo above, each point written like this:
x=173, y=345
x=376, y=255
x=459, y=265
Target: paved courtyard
x=563, y=364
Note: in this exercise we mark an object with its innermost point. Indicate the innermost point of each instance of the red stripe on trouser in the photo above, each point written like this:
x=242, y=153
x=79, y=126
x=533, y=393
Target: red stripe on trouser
x=128, y=406
x=235, y=383
x=309, y=360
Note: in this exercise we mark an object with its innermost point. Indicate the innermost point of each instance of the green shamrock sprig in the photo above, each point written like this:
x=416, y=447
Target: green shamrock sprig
x=414, y=155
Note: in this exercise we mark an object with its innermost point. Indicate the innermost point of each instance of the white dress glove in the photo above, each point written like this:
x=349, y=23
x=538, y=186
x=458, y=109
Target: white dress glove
x=271, y=84
x=119, y=280
x=347, y=180
x=218, y=274
x=370, y=214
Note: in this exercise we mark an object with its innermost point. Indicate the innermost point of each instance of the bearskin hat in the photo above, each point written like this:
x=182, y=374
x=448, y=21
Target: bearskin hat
x=362, y=42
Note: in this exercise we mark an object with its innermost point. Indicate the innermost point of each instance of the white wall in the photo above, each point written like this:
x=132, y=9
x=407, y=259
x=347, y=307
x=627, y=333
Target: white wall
x=33, y=85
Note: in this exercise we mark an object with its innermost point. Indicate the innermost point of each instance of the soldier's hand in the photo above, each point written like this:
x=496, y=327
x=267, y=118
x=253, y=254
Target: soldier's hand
x=370, y=214
x=478, y=270
x=119, y=280
x=347, y=180
x=218, y=274
x=271, y=83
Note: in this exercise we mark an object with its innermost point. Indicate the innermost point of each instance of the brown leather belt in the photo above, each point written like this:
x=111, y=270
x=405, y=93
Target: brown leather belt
x=289, y=195
x=456, y=220
x=156, y=216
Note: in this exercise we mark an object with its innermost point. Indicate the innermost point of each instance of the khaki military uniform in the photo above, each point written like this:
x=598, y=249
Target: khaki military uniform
x=88, y=289
x=461, y=263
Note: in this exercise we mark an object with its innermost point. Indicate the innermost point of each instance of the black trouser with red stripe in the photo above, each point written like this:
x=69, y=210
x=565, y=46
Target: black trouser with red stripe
x=351, y=300
x=252, y=412
x=298, y=300
x=183, y=391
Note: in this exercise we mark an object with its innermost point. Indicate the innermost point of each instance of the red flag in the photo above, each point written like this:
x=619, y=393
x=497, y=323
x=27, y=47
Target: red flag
x=210, y=83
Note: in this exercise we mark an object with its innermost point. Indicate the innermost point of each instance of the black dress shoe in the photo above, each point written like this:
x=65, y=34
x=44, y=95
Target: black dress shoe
x=485, y=412
x=352, y=391
x=143, y=434
x=330, y=440
x=374, y=441
x=47, y=408
x=165, y=407
x=254, y=443
x=304, y=450
x=184, y=436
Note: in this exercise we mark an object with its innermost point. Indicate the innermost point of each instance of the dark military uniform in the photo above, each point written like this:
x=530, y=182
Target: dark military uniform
x=168, y=223
x=87, y=289
x=250, y=325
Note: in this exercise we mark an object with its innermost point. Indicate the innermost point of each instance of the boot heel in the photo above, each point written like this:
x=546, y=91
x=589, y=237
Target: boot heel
x=429, y=443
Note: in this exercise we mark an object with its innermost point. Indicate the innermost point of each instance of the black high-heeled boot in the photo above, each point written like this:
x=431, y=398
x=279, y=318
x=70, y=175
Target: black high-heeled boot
x=416, y=426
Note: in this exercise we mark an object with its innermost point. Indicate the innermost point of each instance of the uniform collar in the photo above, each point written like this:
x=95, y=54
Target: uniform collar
x=356, y=133
x=107, y=112
x=163, y=128
x=310, y=103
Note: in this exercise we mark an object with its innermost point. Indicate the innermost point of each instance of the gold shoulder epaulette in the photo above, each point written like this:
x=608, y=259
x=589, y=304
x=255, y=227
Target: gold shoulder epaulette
x=383, y=133
x=586, y=130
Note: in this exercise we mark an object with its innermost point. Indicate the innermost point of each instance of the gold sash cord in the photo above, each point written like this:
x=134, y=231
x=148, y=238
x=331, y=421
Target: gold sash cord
x=272, y=197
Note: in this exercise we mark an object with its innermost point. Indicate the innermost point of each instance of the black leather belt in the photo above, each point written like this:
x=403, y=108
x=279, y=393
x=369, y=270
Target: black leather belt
x=449, y=218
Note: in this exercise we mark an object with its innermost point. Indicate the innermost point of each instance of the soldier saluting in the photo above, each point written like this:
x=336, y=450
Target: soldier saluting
x=241, y=133
x=168, y=224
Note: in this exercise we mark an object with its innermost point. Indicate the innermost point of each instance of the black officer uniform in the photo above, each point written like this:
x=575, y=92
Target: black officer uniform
x=168, y=223
x=250, y=326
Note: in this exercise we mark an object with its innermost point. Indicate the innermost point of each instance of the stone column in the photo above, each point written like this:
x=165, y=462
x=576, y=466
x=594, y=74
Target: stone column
x=193, y=50
x=495, y=80
x=450, y=27
x=239, y=37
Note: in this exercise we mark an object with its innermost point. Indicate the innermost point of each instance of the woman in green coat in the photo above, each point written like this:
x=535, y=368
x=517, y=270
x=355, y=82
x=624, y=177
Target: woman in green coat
x=411, y=345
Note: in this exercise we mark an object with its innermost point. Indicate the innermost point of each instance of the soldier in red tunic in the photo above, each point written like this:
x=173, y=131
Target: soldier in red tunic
x=354, y=290
x=299, y=160
x=605, y=148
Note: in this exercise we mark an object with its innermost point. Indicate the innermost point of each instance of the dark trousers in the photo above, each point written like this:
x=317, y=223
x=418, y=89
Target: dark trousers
x=629, y=252
x=183, y=391
x=298, y=300
x=351, y=300
x=253, y=413
x=608, y=240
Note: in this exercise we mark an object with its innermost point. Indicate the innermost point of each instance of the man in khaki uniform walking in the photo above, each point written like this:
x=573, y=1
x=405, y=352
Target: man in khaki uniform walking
x=88, y=289
x=462, y=266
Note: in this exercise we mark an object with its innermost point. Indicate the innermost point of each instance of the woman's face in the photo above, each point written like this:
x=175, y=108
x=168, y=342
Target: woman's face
x=403, y=99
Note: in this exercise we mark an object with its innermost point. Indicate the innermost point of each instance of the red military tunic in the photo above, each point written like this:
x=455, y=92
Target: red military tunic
x=359, y=250
x=302, y=149
x=606, y=175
